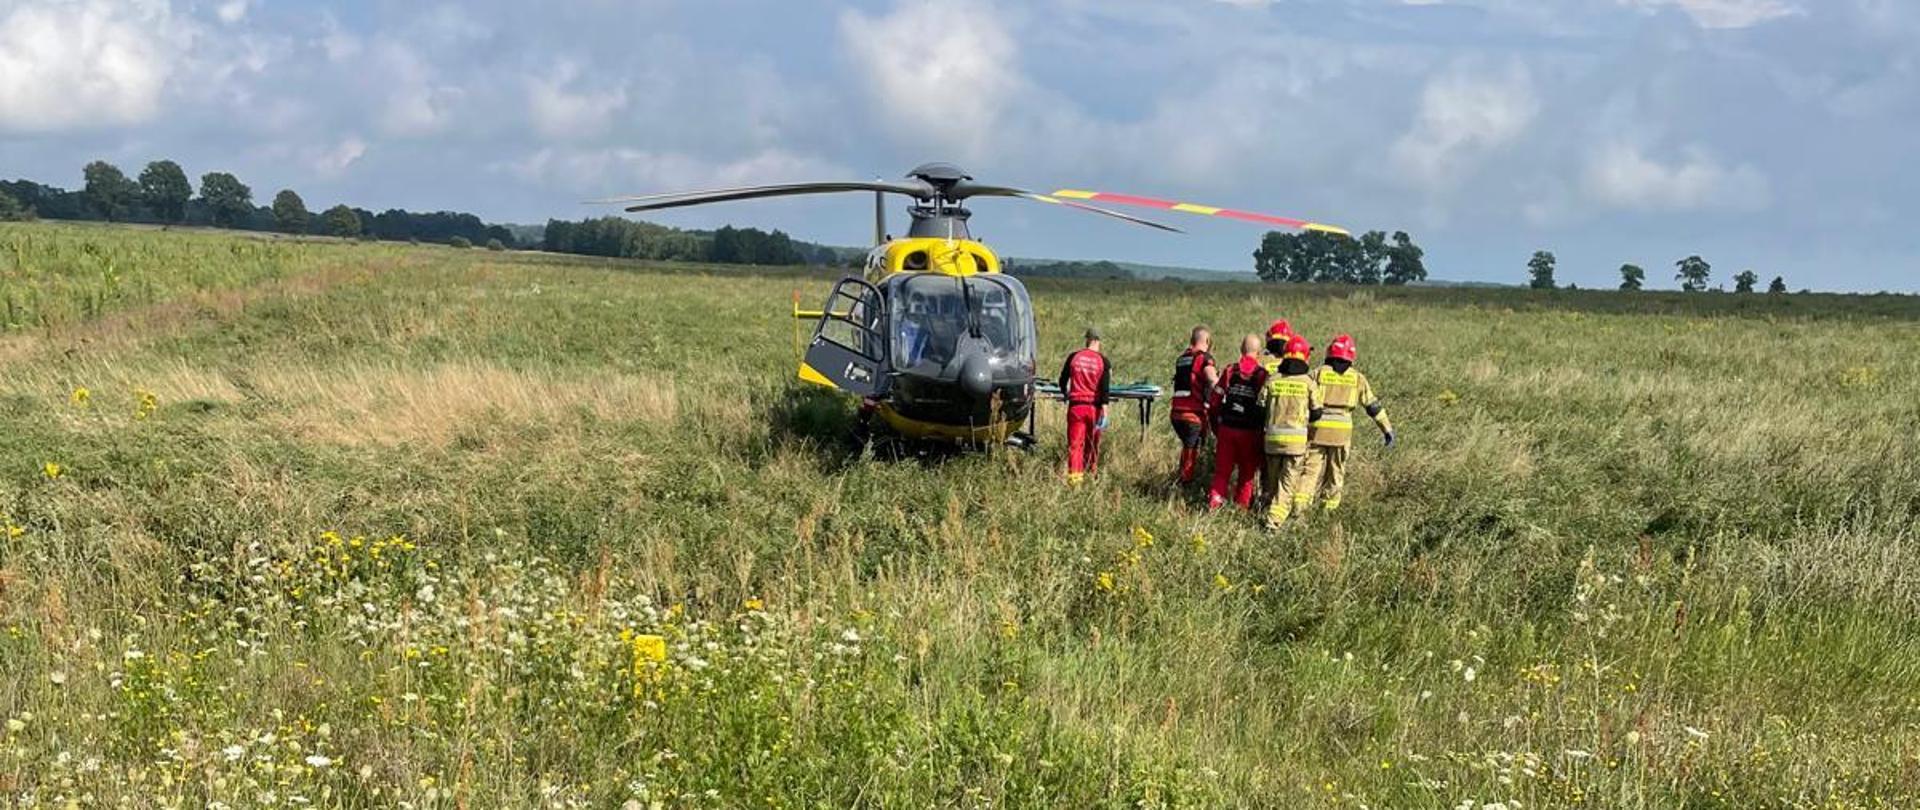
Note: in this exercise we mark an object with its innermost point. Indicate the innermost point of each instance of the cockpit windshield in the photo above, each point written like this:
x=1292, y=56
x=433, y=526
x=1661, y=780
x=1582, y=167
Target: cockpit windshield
x=931, y=314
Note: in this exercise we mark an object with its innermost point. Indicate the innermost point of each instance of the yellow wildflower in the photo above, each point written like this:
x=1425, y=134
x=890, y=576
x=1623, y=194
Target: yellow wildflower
x=754, y=604
x=648, y=649
x=1009, y=629
x=1449, y=398
x=81, y=397
x=15, y=531
x=1199, y=542
x=51, y=469
x=1104, y=581
x=148, y=403
x=1221, y=584
x=1141, y=537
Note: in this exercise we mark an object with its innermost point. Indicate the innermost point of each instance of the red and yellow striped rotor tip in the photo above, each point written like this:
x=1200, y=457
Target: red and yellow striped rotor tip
x=1203, y=210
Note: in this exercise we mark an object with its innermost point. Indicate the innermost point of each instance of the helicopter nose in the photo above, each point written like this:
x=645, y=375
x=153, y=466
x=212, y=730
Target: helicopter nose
x=976, y=376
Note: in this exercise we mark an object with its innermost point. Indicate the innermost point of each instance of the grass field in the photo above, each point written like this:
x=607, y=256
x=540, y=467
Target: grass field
x=368, y=525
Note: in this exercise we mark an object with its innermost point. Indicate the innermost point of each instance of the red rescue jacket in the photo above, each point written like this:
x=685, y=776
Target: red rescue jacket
x=1190, y=383
x=1085, y=378
x=1239, y=405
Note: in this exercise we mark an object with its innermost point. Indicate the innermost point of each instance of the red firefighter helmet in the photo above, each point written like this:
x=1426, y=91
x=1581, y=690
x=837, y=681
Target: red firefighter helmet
x=1280, y=329
x=1297, y=349
x=1341, y=348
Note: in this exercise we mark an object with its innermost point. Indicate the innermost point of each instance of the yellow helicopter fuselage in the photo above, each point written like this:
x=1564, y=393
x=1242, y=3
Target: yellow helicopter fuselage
x=898, y=260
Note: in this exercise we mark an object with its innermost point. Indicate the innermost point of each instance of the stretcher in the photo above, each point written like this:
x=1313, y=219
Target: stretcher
x=1142, y=394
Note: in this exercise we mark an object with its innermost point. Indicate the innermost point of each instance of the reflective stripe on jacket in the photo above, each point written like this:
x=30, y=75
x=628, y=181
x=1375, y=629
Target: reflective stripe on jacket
x=1190, y=382
x=1288, y=398
x=1341, y=394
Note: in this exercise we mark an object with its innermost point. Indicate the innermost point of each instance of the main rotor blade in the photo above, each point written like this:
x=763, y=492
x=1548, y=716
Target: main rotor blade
x=678, y=199
x=1203, y=210
x=975, y=190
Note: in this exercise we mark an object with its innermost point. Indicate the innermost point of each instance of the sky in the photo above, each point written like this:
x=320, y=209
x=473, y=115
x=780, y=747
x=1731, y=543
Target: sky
x=1772, y=135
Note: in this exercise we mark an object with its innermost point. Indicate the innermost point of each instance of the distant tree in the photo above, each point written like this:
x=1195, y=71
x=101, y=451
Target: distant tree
x=495, y=244
x=1279, y=258
x=341, y=221
x=1693, y=273
x=1745, y=282
x=1405, y=260
x=460, y=242
x=1371, y=254
x=11, y=210
x=228, y=200
x=290, y=213
x=165, y=190
x=108, y=191
x=1541, y=269
x=1779, y=286
x=1631, y=277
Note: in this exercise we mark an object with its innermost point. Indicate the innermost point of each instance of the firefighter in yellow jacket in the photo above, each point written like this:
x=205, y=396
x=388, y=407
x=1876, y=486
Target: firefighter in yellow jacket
x=1289, y=397
x=1277, y=336
x=1340, y=389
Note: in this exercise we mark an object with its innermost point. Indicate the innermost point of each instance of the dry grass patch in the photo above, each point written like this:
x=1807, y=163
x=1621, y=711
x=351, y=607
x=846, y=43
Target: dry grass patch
x=390, y=405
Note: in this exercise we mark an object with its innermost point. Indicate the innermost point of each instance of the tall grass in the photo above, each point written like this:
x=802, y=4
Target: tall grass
x=408, y=535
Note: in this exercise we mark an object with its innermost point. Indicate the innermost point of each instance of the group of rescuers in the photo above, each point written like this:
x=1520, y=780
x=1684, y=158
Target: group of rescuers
x=1279, y=425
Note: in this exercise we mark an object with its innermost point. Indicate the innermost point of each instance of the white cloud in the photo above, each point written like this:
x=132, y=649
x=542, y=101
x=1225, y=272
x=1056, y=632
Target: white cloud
x=941, y=70
x=624, y=170
x=1621, y=175
x=562, y=113
x=329, y=162
x=1463, y=116
x=1724, y=13
x=87, y=63
x=233, y=11
x=416, y=104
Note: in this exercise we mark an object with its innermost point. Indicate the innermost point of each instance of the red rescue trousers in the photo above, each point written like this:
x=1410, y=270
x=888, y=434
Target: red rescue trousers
x=1192, y=430
x=1236, y=450
x=1083, y=440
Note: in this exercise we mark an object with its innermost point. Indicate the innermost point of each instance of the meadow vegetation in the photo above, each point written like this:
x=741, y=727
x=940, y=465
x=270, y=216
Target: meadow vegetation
x=350, y=525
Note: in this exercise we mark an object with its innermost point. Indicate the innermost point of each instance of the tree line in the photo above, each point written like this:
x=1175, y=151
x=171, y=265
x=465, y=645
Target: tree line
x=1327, y=258
x=1693, y=273
x=162, y=194
x=628, y=239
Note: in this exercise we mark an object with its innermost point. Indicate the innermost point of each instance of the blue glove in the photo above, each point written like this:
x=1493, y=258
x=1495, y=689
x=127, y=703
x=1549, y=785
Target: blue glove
x=1389, y=438
x=1102, y=423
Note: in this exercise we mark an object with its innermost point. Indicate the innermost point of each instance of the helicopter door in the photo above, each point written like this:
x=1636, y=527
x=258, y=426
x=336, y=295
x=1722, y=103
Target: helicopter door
x=849, y=347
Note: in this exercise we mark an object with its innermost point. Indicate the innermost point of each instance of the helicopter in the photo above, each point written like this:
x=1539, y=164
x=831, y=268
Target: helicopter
x=933, y=337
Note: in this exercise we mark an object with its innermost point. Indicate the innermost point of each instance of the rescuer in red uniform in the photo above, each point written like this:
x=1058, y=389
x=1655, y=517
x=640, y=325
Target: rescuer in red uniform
x=1194, y=376
x=1085, y=379
x=1240, y=421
